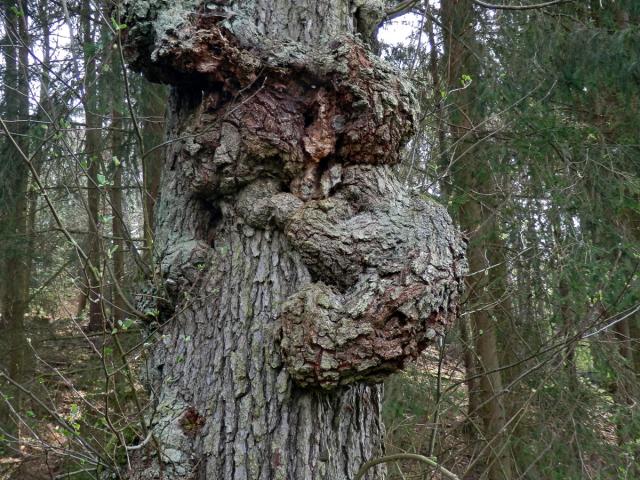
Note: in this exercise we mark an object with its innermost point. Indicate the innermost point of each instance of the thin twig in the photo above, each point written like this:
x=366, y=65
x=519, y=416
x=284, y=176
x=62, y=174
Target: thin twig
x=405, y=456
x=519, y=7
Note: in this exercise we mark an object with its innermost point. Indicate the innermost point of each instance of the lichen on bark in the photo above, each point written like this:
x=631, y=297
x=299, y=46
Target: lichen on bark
x=387, y=273
x=290, y=107
x=301, y=270
x=381, y=292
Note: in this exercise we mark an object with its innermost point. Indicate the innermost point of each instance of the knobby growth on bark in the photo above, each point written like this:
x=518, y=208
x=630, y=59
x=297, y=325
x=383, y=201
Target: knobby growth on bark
x=291, y=253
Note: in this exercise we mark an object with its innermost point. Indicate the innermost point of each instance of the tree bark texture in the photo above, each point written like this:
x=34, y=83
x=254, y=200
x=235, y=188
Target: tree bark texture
x=92, y=147
x=298, y=270
x=15, y=257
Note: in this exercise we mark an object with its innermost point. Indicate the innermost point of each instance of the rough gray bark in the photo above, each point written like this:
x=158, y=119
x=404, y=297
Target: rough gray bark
x=298, y=269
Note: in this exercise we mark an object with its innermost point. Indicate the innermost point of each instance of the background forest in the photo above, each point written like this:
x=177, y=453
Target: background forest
x=529, y=134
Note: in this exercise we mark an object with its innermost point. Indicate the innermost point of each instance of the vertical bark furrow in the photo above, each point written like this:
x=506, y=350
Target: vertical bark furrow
x=224, y=353
x=220, y=357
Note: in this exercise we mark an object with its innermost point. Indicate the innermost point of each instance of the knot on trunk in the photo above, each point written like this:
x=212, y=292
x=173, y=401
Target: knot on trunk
x=283, y=110
x=388, y=272
x=297, y=135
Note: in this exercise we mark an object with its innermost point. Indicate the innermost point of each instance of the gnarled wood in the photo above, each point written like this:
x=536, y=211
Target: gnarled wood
x=292, y=257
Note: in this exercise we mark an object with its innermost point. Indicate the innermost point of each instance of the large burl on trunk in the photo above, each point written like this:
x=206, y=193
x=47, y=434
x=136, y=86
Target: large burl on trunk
x=299, y=269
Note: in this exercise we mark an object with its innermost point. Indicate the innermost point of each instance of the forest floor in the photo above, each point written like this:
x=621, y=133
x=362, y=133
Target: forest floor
x=68, y=388
x=70, y=381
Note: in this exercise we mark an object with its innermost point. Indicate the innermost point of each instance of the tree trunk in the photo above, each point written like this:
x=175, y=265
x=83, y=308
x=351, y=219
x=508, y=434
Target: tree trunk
x=476, y=178
x=154, y=99
x=485, y=291
x=298, y=276
x=14, y=211
x=464, y=324
x=92, y=269
x=634, y=332
x=118, y=307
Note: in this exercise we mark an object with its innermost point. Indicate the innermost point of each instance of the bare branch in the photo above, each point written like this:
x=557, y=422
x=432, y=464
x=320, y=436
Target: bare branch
x=400, y=9
x=519, y=7
x=406, y=456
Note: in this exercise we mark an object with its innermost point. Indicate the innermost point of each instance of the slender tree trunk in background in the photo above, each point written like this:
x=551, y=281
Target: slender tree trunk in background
x=118, y=306
x=567, y=318
x=441, y=128
x=627, y=390
x=465, y=331
x=45, y=108
x=154, y=101
x=453, y=16
x=622, y=258
x=471, y=369
x=32, y=199
x=92, y=148
x=490, y=392
x=501, y=294
x=634, y=332
x=629, y=226
x=115, y=167
x=623, y=336
x=526, y=323
x=619, y=359
x=473, y=174
x=14, y=207
x=296, y=262
x=626, y=387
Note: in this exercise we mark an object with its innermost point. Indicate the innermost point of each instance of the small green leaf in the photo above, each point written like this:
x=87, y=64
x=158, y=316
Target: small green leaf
x=117, y=26
x=126, y=324
x=111, y=251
